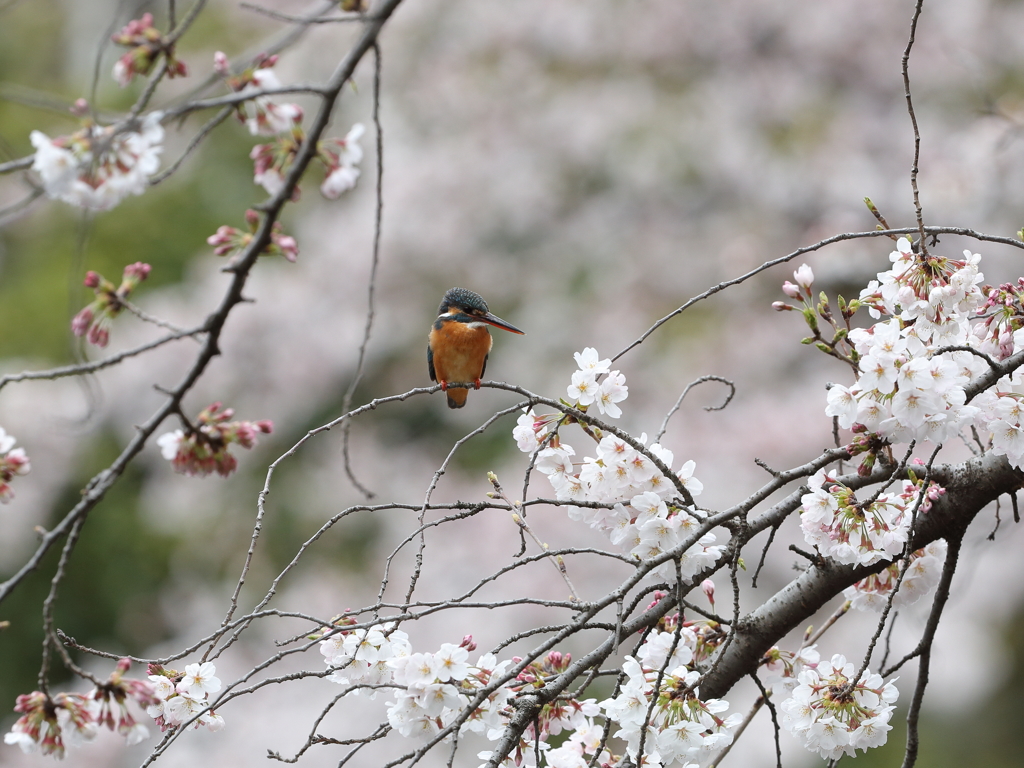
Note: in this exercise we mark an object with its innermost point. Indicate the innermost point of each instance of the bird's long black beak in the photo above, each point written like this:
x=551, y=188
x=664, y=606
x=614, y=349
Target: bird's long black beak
x=497, y=322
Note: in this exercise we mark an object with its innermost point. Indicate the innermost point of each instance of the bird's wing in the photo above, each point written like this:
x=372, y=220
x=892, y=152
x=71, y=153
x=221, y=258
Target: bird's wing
x=430, y=363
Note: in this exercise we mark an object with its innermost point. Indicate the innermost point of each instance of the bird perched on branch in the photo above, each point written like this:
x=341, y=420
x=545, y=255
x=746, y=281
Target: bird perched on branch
x=459, y=342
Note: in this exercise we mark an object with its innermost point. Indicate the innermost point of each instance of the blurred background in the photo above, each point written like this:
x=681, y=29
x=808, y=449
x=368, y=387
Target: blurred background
x=587, y=166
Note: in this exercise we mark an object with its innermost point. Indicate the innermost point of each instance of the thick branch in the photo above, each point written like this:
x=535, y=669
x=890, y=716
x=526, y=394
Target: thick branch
x=970, y=486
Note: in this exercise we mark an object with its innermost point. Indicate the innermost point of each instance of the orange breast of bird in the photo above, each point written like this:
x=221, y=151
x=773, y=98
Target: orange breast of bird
x=460, y=351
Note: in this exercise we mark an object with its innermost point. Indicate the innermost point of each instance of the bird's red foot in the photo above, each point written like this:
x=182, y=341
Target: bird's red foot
x=476, y=383
x=444, y=385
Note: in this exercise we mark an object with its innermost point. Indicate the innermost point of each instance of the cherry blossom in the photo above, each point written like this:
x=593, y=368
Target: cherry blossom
x=833, y=715
x=922, y=575
x=97, y=167
x=180, y=697
x=341, y=158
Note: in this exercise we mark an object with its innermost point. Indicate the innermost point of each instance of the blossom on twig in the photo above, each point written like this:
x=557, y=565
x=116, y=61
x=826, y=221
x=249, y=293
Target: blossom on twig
x=229, y=240
x=180, y=696
x=262, y=115
x=204, y=449
x=97, y=167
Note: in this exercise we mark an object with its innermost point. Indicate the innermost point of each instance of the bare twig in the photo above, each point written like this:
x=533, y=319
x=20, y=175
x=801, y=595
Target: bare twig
x=913, y=120
x=372, y=283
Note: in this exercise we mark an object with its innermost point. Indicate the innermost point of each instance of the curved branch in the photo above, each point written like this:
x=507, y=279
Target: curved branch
x=963, y=231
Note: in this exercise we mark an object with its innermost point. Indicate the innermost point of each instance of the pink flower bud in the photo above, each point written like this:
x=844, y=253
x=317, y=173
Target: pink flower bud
x=220, y=64
x=80, y=323
x=139, y=270
x=224, y=237
x=99, y=335
x=80, y=108
x=781, y=306
x=289, y=248
x=793, y=291
x=92, y=279
x=708, y=587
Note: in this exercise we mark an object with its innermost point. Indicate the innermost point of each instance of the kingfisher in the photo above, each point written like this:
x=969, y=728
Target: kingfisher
x=459, y=342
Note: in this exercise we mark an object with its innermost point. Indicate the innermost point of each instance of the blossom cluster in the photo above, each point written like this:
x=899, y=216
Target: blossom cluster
x=341, y=158
x=922, y=574
x=564, y=714
x=147, y=45
x=908, y=388
x=98, y=166
x=13, y=461
x=850, y=531
x=178, y=697
x=642, y=516
x=94, y=320
x=585, y=388
x=262, y=116
x=660, y=703
x=914, y=364
x=833, y=714
x=430, y=689
x=50, y=724
x=283, y=121
x=436, y=687
x=359, y=657
x=204, y=448
x=228, y=240
x=656, y=710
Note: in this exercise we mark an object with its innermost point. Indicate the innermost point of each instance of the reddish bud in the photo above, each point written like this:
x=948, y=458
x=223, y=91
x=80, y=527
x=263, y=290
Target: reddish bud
x=92, y=279
x=139, y=270
x=80, y=323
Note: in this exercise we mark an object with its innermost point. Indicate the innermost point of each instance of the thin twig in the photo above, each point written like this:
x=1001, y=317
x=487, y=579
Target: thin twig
x=517, y=518
x=83, y=368
x=913, y=120
x=372, y=286
x=312, y=19
x=691, y=385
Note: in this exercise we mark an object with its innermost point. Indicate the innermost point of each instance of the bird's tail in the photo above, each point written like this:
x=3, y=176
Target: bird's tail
x=457, y=397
